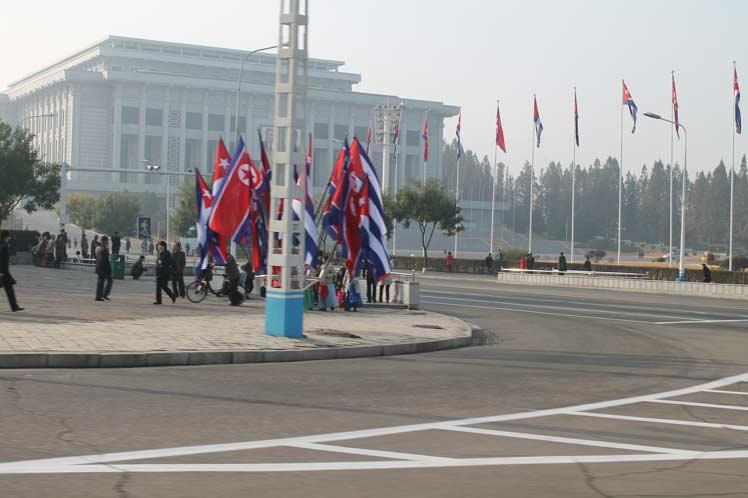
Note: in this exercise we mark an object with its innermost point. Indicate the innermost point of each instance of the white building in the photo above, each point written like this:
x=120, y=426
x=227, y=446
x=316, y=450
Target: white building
x=124, y=100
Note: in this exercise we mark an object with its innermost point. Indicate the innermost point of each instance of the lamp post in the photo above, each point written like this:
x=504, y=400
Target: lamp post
x=155, y=167
x=682, y=263
x=239, y=82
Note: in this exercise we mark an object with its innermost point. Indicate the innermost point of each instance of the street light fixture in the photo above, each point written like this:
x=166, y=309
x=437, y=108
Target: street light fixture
x=682, y=263
x=239, y=82
x=156, y=167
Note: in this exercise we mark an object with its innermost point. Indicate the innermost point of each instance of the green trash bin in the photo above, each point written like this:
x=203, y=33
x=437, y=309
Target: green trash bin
x=118, y=267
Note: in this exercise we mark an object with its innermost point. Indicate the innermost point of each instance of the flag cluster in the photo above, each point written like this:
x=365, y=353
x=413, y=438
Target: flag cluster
x=354, y=213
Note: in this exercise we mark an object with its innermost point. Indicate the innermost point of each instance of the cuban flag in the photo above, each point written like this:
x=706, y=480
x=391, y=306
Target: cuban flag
x=499, y=130
x=230, y=216
x=310, y=227
x=260, y=208
x=629, y=101
x=675, y=109
x=736, y=90
x=425, y=137
x=576, y=119
x=221, y=166
x=536, y=119
x=337, y=188
x=367, y=192
x=457, y=133
x=203, y=204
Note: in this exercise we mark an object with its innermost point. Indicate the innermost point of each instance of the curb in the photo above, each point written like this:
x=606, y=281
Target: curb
x=195, y=358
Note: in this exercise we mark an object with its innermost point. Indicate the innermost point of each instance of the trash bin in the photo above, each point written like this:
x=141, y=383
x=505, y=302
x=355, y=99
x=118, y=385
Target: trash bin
x=118, y=267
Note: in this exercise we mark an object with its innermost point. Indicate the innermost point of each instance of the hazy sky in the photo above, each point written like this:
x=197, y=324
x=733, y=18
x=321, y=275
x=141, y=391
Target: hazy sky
x=467, y=53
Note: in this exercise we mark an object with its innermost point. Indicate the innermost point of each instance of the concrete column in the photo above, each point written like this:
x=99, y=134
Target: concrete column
x=117, y=132
x=141, y=137
x=183, y=133
x=76, y=128
x=330, y=135
x=251, y=138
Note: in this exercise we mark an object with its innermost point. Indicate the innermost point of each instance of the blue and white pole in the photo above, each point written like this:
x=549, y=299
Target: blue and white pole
x=284, y=306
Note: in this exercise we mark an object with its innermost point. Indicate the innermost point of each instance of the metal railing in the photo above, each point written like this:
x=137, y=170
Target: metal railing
x=581, y=273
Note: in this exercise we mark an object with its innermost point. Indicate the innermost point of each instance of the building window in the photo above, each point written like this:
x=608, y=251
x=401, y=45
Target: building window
x=153, y=156
x=320, y=168
x=130, y=115
x=154, y=117
x=215, y=122
x=412, y=167
x=211, y=159
x=193, y=154
x=341, y=131
x=242, y=124
x=128, y=157
x=194, y=121
x=321, y=131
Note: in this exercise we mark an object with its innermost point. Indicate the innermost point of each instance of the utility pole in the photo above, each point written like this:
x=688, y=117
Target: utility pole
x=284, y=308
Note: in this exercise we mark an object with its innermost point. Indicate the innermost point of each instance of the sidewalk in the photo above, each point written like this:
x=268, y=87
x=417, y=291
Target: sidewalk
x=63, y=327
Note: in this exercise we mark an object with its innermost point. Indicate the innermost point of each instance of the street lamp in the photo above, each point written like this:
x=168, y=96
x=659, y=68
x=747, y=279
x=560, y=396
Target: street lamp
x=153, y=168
x=682, y=263
x=239, y=82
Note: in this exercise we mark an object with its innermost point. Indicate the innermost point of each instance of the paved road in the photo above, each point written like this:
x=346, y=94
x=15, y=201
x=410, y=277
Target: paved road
x=576, y=393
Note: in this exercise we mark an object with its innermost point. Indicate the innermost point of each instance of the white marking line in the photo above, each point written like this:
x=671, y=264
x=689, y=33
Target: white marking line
x=717, y=311
x=538, y=312
x=726, y=392
x=705, y=405
x=79, y=463
x=661, y=421
x=362, y=451
x=558, y=439
x=375, y=465
x=685, y=322
x=562, y=306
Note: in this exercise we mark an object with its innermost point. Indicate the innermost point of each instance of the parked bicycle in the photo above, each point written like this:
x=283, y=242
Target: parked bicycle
x=199, y=289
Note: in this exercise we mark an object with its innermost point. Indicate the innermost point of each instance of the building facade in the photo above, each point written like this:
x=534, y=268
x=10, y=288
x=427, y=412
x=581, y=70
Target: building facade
x=125, y=100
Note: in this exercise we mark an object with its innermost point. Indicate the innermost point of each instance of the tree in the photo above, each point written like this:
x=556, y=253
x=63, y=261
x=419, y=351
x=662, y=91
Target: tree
x=23, y=175
x=82, y=210
x=185, y=216
x=428, y=205
x=118, y=212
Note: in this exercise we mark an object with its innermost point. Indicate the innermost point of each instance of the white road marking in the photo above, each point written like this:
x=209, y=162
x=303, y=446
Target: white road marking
x=685, y=322
x=377, y=465
x=90, y=463
x=362, y=451
x=692, y=403
x=562, y=306
x=726, y=392
x=537, y=312
x=567, y=440
x=661, y=421
x=718, y=311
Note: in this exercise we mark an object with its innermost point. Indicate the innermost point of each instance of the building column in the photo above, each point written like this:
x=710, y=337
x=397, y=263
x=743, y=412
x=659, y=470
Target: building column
x=251, y=137
x=76, y=128
x=331, y=134
x=204, y=147
x=183, y=132
x=141, y=137
x=438, y=144
x=117, y=132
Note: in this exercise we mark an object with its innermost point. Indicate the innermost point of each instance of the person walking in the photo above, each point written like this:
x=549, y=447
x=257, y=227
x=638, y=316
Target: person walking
x=59, y=251
x=371, y=286
x=489, y=263
x=530, y=261
x=707, y=273
x=51, y=244
x=232, y=276
x=187, y=248
x=116, y=243
x=164, y=269
x=84, y=245
x=249, y=278
x=128, y=245
x=94, y=245
x=384, y=288
x=75, y=243
x=562, y=266
x=180, y=261
x=450, y=264
x=6, y=280
x=103, y=270
x=150, y=248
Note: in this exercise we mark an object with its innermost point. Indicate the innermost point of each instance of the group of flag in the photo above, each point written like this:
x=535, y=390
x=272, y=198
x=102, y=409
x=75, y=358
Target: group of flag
x=628, y=101
x=236, y=208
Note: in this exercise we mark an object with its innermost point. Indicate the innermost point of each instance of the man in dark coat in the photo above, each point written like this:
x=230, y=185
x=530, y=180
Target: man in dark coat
x=165, y=268
x=562, y=267
x=116, y=243
x=103, y=270
x=232, y=276
x=180, y=261
x=6, y=280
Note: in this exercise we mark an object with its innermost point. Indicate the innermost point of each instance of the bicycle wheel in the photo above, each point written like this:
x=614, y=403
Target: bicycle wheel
x=197, y=291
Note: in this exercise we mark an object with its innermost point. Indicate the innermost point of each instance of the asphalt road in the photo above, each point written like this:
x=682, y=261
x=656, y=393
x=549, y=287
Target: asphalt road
x=574, y=393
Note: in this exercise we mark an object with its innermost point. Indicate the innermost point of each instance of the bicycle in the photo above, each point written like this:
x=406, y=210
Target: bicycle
x=198, y=290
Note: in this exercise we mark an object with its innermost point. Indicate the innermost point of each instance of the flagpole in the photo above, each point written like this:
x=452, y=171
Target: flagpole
x=425, y=160
x=620, y=188
x=457, y=189
x=573, y=175
x=493, y=191
x=532, y=177
x=672, y=130
x=732, y=173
